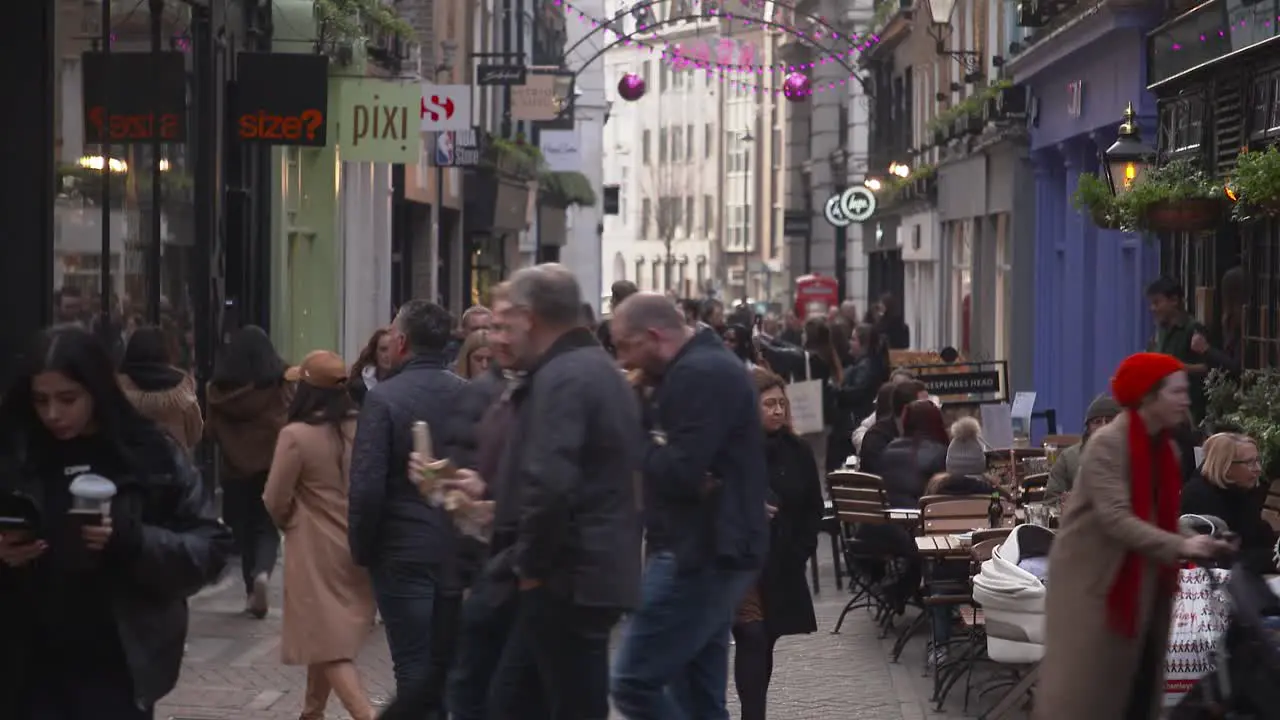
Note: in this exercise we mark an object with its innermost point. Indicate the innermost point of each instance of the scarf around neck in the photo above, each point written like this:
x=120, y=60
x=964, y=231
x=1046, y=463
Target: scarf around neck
x=1164, y=497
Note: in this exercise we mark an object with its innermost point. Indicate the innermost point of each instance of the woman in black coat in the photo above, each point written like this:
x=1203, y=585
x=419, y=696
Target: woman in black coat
x=855, y=398
x=1227, y=488
x=779, y=604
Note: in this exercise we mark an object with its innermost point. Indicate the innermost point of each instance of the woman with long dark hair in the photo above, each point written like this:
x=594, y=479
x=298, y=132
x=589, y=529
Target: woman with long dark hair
x=855, y=398
x=93, y=612
x=920, y=453
x=779, y=603
x=248, y=400
x=738, y=339
x=306, y=494
x=160, y=391
x=374, y=364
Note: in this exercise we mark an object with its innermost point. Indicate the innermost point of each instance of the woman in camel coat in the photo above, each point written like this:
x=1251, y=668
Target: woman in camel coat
x=1113, y=567
x=328, y=600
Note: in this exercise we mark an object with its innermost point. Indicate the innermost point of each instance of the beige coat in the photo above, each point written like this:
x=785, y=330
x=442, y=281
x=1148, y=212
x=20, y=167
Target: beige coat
x=1089, y=671
x=328, y=600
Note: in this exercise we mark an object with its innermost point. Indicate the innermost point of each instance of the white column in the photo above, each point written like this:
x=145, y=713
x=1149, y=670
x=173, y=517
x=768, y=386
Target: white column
x=365, y=223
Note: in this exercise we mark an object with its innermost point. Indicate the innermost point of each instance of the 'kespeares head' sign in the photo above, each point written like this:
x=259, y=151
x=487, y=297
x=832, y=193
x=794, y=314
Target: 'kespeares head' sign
x=282, y=99
x=134, y=97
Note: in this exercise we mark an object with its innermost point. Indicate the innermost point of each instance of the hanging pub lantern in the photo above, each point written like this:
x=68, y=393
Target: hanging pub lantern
x=1128, y=157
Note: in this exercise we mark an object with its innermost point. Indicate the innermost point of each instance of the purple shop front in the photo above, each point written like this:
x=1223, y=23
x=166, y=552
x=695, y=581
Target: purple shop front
x=1089, y=306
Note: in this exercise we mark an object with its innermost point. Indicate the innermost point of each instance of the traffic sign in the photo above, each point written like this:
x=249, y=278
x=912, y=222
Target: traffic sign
x=856, y=204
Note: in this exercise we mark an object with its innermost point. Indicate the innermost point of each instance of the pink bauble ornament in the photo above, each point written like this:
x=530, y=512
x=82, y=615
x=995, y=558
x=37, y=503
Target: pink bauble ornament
x=631, y=87
x=795, y=87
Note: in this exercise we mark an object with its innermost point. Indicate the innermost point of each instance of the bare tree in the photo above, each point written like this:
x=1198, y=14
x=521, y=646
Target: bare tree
x=670, y=193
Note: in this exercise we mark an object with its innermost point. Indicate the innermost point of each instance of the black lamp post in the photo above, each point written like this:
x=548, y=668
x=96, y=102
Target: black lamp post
x=839, y=162
x=1128, y=157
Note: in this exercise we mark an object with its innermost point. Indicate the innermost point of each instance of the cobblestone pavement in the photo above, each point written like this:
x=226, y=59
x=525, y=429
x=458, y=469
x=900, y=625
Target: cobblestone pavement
x=232, y=668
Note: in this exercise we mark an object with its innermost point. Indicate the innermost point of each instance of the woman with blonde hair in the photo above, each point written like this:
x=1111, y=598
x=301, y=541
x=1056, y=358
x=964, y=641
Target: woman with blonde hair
x=1227, y=488
x=328, y=600
x=779, y=603
x=475, y=355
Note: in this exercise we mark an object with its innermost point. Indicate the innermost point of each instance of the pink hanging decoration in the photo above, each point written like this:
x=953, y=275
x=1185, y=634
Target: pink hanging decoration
x=724, y=54
x=631, y=87
x=746, y=54
x=796, y=87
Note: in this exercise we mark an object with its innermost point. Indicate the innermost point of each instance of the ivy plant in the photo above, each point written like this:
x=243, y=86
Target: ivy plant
x=515, y=156
x=1248, y=404
x=562, y=189
x=1175, y=181
x=972, y=105
x=884, y=10
x=347, y=22
x=1255, y=184
x=1093, y=197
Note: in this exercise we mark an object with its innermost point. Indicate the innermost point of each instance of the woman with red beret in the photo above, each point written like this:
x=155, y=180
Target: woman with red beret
x=1113, y=570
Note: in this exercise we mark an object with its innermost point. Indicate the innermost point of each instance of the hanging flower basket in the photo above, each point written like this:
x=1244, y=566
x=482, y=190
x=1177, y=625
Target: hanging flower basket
x=1104, y=220
x=1188, y=215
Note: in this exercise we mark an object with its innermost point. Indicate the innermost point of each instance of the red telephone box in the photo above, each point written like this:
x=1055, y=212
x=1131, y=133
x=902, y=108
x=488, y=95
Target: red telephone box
x=816, y=295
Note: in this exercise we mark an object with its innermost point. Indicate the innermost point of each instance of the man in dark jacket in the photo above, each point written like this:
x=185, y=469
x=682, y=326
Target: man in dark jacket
x=405, y=542
x=706, y=487
x=566, y=528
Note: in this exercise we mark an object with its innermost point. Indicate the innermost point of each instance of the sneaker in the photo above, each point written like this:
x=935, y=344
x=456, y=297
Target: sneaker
x=939, y=657
x=257, y=602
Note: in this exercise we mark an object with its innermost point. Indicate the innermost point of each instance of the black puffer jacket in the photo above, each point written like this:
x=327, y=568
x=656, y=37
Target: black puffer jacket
x=907, y=465
x=167, y=545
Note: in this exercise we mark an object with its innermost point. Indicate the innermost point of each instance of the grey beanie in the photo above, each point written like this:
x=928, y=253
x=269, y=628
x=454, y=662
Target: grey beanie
x=965, y=455
x=1103, y=406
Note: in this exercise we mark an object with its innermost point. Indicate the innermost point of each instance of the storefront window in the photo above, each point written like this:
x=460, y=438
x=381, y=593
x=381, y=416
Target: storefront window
x=1262, y=309
x=142, y=276
x=961, y=282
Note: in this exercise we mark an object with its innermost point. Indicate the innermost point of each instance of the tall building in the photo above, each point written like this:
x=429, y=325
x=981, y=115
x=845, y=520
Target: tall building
x=696, y=159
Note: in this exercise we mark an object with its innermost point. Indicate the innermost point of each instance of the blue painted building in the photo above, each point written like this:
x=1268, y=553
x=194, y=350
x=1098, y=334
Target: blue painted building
x=1088, y=283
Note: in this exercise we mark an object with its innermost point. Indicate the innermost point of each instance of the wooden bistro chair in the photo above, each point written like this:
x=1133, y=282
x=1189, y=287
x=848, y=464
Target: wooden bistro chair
x=1271, y=507
x=859, y=499
x=971, y=647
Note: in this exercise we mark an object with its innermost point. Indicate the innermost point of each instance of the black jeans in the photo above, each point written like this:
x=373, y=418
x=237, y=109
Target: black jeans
x=406, y=595
x=557, y=650
x=484, y=626
x=425, y=699
x=256, y=536
x=753, y=667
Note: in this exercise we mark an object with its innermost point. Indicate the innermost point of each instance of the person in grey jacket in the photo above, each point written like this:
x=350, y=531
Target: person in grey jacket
x=1062, y=475
x=566, y=529
x=405, y=542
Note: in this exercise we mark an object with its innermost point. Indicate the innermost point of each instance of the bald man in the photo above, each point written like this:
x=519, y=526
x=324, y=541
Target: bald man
x=705, y=490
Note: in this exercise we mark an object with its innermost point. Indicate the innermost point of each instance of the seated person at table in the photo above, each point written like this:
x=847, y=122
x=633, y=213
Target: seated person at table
x=897, y=377
x=920, y=453
x=965, y=475
x=888, y=428
x=1227, y=488
x=1062, y=475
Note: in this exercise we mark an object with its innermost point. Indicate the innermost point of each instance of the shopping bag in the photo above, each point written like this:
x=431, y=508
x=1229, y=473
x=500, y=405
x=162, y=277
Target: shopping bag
x=1200, y=617
x=805, y=397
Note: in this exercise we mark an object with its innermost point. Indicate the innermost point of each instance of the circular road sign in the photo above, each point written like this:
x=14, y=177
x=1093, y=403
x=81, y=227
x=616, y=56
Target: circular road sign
x=858, y=203
x=833, y=211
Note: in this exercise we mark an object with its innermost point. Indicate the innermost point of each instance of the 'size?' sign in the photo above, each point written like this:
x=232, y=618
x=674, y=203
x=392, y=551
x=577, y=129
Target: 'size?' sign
x=445, y=107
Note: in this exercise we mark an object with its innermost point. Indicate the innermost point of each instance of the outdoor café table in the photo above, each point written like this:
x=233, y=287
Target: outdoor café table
x=906, y=517
x=941, y=547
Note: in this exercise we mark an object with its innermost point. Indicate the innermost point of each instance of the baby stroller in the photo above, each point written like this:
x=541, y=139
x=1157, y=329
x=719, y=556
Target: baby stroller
x=1245, y=684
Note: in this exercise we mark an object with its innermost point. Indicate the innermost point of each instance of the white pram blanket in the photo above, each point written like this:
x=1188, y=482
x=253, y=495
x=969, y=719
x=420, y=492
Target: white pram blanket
x=1011, y=590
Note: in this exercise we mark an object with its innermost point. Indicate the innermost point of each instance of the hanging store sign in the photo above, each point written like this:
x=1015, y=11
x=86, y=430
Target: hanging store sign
x=282, y=99
x=377, y=122
x=544, y=97
x=856, y=204
x=963, y=383
x=561, y=150
x=796, y=223
x=458, y=148
x=134, y=97
x=501, y=75
x=444, y=107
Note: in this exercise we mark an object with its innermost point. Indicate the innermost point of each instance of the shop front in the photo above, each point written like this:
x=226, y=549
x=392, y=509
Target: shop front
x=1216, y=78
x=987, y=221
x=1087, y=282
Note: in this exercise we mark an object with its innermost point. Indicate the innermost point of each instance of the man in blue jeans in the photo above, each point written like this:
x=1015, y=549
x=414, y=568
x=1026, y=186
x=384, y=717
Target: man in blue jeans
x=404, y=541
x=706, y=528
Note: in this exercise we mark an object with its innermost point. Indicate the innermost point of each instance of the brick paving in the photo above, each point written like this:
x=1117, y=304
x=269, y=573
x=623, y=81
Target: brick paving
x=232, y=668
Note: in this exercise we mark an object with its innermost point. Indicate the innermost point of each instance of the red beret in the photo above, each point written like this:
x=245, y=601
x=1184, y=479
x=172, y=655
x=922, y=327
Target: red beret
x=1139, y=373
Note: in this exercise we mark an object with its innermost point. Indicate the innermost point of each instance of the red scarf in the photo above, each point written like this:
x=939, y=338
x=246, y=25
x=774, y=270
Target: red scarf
x=1126, y=590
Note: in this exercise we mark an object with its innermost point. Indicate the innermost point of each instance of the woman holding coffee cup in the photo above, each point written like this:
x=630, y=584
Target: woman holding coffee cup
x=93, y=590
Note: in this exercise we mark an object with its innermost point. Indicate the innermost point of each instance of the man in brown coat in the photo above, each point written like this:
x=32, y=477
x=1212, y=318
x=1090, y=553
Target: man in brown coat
x=1114, y=564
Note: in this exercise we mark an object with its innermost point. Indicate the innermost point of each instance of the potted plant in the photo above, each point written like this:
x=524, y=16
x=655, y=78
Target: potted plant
x=1255, y=183
x=562, y=189
x=1093, y=197
x=1176, y=197
x=515, y=157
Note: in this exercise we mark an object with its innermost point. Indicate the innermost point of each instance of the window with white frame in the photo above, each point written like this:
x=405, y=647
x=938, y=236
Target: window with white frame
x=961, y=284
x=622, y=194
x=677, y=144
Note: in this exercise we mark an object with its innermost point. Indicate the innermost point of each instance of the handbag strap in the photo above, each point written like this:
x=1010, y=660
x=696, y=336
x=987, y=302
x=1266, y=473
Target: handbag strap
x=806, y=366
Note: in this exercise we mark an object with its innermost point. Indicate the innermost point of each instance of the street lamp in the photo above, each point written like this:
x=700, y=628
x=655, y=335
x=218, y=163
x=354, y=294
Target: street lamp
x=1128, y=157
x=940, y=12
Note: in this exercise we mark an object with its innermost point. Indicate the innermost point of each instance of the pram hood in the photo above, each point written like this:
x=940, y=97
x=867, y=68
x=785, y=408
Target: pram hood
x=1000, y=578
